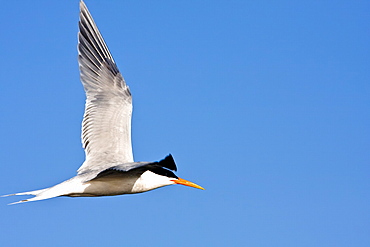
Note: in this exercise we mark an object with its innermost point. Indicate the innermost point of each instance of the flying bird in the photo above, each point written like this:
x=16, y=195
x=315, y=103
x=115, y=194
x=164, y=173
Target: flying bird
x=109, y=168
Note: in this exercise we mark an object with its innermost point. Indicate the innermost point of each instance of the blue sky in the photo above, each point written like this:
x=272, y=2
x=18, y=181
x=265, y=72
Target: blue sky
x=264, y=103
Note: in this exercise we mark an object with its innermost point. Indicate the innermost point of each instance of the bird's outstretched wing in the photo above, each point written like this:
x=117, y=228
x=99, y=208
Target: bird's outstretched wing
x=106, y=127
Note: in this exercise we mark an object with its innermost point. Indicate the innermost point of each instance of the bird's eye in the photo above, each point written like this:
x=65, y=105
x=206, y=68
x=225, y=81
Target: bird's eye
x=162, y=171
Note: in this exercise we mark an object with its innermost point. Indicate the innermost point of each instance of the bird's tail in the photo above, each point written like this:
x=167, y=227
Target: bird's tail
x=36, y=193
x=63, y=189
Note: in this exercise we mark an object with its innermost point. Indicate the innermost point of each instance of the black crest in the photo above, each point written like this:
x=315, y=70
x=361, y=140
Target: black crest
x=163, y=167
x=168, y=163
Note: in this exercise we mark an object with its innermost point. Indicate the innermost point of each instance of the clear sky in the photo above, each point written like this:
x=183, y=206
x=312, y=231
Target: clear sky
x=266, y=104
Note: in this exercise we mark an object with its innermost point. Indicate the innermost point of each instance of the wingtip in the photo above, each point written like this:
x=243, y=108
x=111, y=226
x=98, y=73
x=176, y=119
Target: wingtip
x=82, y=6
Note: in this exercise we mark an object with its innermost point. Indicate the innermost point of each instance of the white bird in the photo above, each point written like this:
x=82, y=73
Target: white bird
x=109, y=168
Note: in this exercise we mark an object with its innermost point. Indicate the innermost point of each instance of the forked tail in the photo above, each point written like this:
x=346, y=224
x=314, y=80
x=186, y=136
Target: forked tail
x=73, y=185
x=36, y=193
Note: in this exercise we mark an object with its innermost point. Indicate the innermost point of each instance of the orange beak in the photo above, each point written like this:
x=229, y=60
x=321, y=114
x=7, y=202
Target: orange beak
x=187, y=183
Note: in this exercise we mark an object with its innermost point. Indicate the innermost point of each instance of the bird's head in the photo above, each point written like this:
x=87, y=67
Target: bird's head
x=170, y=164
x=160, y=174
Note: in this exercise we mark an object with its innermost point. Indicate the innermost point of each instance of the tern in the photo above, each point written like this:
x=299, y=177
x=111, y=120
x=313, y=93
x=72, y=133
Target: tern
x=109, y=168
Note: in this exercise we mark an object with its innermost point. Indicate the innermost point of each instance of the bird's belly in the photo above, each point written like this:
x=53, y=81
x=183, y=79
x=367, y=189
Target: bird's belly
x=117, y=184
